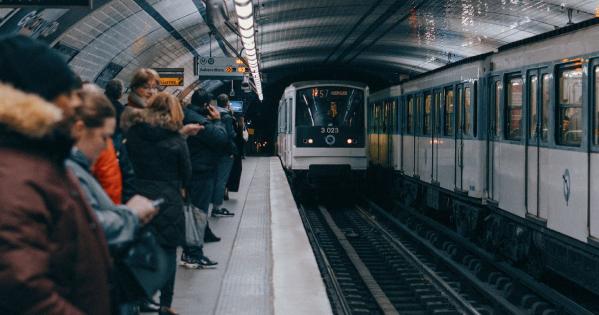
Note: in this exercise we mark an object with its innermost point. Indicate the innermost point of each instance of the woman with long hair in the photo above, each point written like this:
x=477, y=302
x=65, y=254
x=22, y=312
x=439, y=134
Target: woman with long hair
x=160, y=159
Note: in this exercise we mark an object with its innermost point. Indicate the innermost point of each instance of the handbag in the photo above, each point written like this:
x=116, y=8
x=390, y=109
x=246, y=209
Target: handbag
x=142, y=269
x=195, y=225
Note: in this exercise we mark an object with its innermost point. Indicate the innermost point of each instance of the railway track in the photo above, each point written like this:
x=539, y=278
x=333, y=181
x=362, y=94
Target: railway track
x=377, y=264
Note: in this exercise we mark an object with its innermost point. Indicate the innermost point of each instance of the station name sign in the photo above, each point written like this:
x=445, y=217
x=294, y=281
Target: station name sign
x=46, y=3
x=171, y=76
x=220, y=68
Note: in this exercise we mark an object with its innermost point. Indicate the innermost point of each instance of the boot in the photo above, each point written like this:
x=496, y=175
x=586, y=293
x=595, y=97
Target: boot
x=209, y=235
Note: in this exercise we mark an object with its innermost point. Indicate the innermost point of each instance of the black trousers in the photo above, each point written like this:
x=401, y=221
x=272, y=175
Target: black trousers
x=167, y=292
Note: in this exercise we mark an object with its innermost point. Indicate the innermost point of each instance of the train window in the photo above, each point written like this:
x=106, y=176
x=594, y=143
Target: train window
x=467, y=112
x=545, y=90
x=596, y=110
x=569, y=109
x=394, y=118
x=532, y=104
x=410, y=116
x=449, y=112
x=426, y=125
x=498, y=91
x=438, y=104
x=417, y=112
x=459, y=109
x=514, y=109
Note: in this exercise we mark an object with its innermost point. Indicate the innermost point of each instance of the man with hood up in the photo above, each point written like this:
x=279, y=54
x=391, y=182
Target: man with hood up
x=53, y=254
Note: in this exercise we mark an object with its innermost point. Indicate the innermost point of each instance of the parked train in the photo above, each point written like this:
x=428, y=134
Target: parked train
x=505, y=148
x=321, y=135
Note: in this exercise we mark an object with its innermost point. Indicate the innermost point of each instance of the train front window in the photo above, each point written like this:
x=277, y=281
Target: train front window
x=569, y=111
x=332, y=106
x=514, y=109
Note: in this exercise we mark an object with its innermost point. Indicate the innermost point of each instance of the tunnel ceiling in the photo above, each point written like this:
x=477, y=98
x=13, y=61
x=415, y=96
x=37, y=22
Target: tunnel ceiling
x=386, y=37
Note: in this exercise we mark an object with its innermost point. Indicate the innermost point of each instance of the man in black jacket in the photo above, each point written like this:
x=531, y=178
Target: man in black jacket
x=205, y=149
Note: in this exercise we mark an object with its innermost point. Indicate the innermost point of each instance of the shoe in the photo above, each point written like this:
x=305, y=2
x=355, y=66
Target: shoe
x=148, y=307
x=188, y=262
x=206, y=263
x=209, y=236
x=167, y=311
x=222, y=212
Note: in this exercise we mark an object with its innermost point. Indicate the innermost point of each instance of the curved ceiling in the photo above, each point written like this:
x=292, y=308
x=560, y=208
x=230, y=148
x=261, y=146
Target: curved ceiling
x=385, y=36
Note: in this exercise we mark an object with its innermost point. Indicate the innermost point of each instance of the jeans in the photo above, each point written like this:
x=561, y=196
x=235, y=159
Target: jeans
x=167, y=292
x=222, y=176
x=200, y=193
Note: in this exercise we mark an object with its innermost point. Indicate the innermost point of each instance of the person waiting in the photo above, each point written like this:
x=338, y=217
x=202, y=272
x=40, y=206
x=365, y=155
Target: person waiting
x=225, y=161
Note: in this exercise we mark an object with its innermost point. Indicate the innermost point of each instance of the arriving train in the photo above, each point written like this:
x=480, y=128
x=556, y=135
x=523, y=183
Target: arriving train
x=504, y=147
x=321, y=135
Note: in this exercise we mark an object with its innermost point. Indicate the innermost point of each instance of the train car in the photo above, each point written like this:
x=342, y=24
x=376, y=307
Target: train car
x=321, y=137
x=504, y=147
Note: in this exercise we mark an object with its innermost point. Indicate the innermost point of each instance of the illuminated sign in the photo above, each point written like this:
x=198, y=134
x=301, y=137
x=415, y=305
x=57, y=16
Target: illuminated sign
x=220, y=68
x=171, y=76
x=45, y=3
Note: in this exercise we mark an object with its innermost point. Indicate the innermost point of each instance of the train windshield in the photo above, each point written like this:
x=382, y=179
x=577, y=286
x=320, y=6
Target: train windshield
x=333, y=106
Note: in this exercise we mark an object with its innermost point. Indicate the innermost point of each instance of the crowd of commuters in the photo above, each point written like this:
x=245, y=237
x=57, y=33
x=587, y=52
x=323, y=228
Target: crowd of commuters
x=82, y=175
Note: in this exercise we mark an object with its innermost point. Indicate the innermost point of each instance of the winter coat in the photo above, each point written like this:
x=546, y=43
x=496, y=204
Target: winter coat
x=208, y=145
x=132, y=114
x=108, y=173
x=53, y=255
x=229, y=122
x=118, y=222
x=161, y=164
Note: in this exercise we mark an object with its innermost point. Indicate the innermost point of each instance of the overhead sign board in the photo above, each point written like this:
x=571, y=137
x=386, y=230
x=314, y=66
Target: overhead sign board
x=220, y=68
x=171, y=76
x=46, y=3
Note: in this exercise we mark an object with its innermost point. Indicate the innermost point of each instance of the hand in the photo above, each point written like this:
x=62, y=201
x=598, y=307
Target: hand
x=143, y=208
x=191, y=129
x=213, y=113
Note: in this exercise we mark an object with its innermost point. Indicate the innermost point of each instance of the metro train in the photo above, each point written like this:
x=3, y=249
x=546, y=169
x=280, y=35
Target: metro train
x=504, y=148
x=321, y=135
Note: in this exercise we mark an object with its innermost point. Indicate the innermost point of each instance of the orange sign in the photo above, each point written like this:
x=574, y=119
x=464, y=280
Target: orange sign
x=171, y=81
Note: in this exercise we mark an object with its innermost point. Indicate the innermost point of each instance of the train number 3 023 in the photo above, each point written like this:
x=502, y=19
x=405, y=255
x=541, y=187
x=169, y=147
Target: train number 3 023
x=334, y=130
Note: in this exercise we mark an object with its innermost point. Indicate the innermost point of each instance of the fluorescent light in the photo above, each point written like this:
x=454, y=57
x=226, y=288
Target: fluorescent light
x=247, y=33
x=244, y=10
x=246, y=23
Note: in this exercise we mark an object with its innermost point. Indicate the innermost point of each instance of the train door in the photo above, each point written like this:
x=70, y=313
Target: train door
x=538, y=97
x=593, y=185
x=389, y=111
x=493, y=137
x=471, y=150
x=459, y=139
x=417, y=129
x=408, y=137
x=424, y=142
x=436, y=130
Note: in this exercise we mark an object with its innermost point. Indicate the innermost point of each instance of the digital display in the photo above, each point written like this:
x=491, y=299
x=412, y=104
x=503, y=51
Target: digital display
x=237, y=106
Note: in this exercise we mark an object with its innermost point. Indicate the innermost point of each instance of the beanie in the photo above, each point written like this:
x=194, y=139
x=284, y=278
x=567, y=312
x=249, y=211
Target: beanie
x=32, y=66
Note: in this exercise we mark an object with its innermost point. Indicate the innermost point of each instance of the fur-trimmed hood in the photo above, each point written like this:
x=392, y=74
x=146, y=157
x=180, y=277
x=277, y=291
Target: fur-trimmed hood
x=27, y=114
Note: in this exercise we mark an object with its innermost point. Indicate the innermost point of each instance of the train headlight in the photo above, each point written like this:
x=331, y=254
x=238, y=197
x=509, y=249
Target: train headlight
x=310, y=141
x=350, y=141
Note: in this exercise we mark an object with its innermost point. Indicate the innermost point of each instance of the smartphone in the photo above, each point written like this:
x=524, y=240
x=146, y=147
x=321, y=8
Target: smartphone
x=156, y=203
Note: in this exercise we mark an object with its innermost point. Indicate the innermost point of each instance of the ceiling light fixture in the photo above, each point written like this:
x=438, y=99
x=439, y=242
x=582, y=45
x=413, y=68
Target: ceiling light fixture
x=245, y=21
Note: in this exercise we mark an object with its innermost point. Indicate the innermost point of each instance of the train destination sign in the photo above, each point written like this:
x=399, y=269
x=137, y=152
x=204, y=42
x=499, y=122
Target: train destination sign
x=46, y=3
x=171, y=76
x=221, y=68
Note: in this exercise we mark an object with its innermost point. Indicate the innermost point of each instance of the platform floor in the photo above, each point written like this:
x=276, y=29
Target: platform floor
x=266, y=264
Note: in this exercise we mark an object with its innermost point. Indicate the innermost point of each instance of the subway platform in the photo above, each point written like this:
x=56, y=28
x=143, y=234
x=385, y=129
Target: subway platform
x=265, y=262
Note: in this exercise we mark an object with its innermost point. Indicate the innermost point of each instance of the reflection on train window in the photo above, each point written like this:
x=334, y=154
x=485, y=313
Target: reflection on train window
x=569, y=109
x=514, y=109
x=410, y=116
x=532, y=104
x=439, y=107
x=426, y=126
x=545, y=89
x=498, y=91
x=330, y=106
x=467, y=109
x=449, y=112
x=596, y=110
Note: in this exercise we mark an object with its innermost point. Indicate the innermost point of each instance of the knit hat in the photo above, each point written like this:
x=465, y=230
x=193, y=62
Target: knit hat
x=31, y=66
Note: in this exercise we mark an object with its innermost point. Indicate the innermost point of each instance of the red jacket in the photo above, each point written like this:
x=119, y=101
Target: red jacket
x=107, y=171
x=53, y=255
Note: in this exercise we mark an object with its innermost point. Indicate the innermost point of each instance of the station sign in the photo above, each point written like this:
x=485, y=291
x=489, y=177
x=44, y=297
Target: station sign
x=171, y=76
x=220, y=68
x=46, y=3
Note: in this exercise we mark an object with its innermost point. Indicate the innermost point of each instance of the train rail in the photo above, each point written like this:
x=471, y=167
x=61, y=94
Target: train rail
x=407, y=266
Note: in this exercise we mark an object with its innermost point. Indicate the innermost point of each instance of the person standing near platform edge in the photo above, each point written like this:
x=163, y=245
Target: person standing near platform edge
x=225, y=162
x=53, y=254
